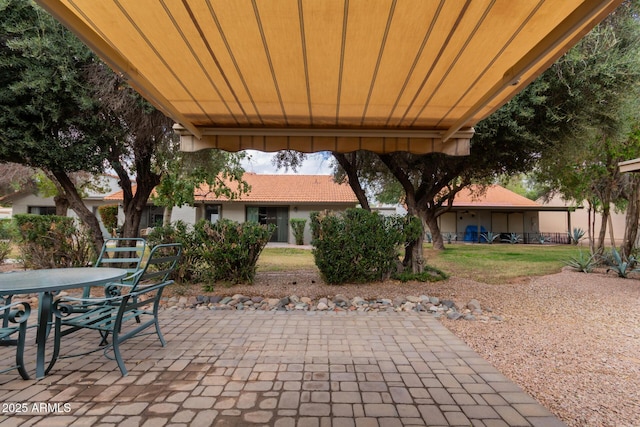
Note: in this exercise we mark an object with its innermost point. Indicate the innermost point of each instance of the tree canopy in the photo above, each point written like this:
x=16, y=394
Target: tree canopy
x=591, y=114
x=64, y=111
x=48, y=116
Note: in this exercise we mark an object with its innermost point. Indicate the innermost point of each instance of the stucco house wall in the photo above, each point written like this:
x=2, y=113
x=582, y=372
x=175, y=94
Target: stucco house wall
x=31, y=203
x=237, y=211
x=562, y=222
x=500, y=211
x=273, y=198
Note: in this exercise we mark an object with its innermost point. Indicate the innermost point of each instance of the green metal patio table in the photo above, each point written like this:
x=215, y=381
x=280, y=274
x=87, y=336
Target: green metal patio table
x=47, y=282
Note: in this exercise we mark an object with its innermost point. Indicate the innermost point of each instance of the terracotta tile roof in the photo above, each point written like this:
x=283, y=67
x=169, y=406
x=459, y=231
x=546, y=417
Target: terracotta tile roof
x=282, y=189
x=495, y=195
x=290, y=188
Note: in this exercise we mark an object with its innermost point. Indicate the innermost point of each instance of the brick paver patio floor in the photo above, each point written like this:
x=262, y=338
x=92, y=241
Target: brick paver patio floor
x=284, y=369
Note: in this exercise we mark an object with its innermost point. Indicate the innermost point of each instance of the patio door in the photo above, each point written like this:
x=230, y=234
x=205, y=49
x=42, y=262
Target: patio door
x=277, y=215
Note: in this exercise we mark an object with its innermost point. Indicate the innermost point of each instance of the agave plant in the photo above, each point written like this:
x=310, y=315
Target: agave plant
x=621, y=264
x=542, y=239
x=490, y=237
x=513, y=238
x=428, y=237
x=576, y=235
x=450, y=237
x=583, y=262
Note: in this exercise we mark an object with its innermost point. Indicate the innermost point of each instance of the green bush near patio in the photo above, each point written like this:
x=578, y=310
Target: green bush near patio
x=7, y=229
x=5, y=250
x=226, y=251
x=356, y=245
x=191, y=267
x=50, y=241
x=232, y=249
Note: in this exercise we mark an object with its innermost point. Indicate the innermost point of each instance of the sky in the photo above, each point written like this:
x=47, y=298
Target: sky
x=314, y=164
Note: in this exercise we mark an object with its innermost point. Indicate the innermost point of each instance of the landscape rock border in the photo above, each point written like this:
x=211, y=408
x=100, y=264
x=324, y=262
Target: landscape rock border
x=472, y=311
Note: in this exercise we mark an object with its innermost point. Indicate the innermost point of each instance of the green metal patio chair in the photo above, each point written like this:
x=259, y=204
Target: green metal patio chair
x=15, y=316
x=121, y=252
x=125, y=313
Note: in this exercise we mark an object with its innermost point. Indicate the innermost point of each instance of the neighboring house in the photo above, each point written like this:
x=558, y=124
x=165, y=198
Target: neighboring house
x=29, y=203
x=557, y=222
x=273, y=199
x=499, y=211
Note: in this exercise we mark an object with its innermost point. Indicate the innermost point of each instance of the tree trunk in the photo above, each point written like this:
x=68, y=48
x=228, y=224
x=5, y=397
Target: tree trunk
x=413, y=256
x=591, y=228
x=612, y=236
x=86, y=216
x=351, y=170
x=62, y=204
x=436, y=235
x=602, y=235
x=60, y=200
x=166, y=217
x=132, y=217
x=134, y=203
x=632, y=217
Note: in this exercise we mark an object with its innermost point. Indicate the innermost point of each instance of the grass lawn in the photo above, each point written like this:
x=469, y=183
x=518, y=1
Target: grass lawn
x=499, y=263
x=284, y=259
x=496, y=263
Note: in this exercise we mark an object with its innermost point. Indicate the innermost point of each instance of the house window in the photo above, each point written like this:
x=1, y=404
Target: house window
x=42, y=210
x=277, y=215
x=212, y=213
x=155, y=217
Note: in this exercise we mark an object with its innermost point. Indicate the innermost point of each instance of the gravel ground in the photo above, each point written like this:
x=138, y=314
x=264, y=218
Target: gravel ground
x=571, y=340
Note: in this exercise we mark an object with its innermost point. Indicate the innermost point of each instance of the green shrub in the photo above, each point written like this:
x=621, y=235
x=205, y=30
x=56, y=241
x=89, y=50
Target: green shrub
x=542, y=239
x=191, y=267
x=5, y=250
x=225, y=251
x=50, y=241
x=619, y=263
x=7, y=230
x=513, y=238
x=356, y=245
x=297, y=225
x=109, y=216
x=450, y=237
x=232, y=249
x=489, y=237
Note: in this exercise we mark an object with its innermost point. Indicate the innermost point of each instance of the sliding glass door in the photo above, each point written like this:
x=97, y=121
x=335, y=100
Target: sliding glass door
x=277, y=215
